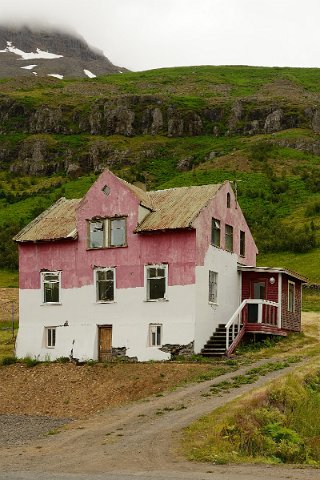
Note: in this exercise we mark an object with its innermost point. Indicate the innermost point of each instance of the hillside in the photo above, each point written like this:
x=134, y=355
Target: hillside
x=34, y=51
x=256, y=126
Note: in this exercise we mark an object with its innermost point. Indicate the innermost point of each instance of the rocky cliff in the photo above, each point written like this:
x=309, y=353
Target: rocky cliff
x=48, y=126
x=27, y=51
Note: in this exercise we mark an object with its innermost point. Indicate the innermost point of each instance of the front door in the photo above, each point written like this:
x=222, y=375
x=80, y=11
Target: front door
x=258, y=291
x=105, y=343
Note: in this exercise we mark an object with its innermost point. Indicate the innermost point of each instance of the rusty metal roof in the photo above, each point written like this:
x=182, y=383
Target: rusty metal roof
x=56, y=223
x=176, y=207
x=143, y=197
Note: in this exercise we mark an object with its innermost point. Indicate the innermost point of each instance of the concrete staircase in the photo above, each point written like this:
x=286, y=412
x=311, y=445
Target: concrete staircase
x=216, y=345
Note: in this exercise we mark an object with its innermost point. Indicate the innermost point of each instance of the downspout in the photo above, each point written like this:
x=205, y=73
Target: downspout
x=279, y=320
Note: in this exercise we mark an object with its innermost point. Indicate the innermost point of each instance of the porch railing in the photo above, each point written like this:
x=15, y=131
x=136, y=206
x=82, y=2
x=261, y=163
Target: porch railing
x=267, y=313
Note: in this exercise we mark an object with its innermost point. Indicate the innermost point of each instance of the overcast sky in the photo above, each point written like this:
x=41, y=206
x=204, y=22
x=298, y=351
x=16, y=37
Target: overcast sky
x=145, y=34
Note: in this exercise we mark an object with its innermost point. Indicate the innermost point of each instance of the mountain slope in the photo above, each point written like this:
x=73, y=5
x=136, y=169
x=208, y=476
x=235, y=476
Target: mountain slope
x=28, y=52
x=256, y=126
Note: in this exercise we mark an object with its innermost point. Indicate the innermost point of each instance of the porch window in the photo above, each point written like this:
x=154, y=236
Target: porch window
x=107, y=232
x=229, y=238
x=242, y=243
x=50, y=333
x=213, y=287
x=291, y=295
x=105, y=284
x=155, y=335
x=50, y=287
x=215, y=232
x=156, y=276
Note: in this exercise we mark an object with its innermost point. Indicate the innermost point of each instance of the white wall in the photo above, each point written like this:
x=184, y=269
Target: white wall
x=129, y=316
x=209, y=316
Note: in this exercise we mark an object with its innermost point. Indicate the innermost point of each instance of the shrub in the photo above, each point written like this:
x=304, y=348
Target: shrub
x=8, y=361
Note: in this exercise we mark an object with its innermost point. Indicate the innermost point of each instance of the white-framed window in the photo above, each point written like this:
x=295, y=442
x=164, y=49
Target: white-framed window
x=291, y=296
x=105, y=281
x=157, y=282
x=213, y=287
x=229, y=238
x=107, y=232
x=215, y=232
x=155, y=335
x=51, y=287
x=50, y=333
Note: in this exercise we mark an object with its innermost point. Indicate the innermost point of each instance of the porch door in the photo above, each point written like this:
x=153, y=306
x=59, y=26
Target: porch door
x=258, y=291
x=105, y=343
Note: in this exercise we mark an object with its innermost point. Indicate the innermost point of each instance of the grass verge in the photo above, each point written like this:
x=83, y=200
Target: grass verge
x=276, y=424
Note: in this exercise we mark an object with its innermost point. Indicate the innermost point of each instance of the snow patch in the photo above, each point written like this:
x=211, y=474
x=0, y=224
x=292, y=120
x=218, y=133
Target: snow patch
x=34, y=73
x=31, y=55
x=89, y=74
x=55, y=75
x=29, y=67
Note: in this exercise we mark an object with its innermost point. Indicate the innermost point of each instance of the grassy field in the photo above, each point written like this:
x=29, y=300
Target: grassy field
x=7, y=338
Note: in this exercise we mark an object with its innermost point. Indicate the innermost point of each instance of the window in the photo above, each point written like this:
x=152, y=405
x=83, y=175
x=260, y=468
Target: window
x=155, y=335
x=107, y=232
x=105, y=285
x=291, y=294
x=229, y=238
x=156, y=276
x=215, y=232
x=242, y=243
x=228, y=200
x=213, y=287
x=50, y=287
x=50, y=337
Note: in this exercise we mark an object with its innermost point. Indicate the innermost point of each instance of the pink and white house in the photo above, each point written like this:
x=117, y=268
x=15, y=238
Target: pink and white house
x=146, y=274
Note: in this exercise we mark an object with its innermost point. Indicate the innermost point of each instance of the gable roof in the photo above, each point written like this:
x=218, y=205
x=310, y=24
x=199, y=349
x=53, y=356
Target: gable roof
x=176, y=207
x=56, y=223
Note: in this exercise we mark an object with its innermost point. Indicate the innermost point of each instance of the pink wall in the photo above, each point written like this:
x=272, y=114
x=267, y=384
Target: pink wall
x=233, y=216
x=177, y=248
x=77, y=261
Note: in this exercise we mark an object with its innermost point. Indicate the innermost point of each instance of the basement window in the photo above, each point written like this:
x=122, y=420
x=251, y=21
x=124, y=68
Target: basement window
x=157, y=280
x=105, y=284
x=107, y=232
x=155, y=335
x=50, y=284
x=50, y=333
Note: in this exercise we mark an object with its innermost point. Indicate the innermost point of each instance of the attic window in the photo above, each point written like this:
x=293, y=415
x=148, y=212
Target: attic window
x=107, y=232
x=228, y=200
x=106, y=190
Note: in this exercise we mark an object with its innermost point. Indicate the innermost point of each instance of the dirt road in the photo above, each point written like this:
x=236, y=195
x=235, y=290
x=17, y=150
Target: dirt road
x=139, y=440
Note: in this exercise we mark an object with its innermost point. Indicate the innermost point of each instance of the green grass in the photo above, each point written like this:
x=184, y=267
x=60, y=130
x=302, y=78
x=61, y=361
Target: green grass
x=7, y=339
x=276, y=424
x=305, y=263
x=9, y=279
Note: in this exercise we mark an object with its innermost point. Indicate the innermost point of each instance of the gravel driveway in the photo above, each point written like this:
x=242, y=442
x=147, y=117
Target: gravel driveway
x=20, y=429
